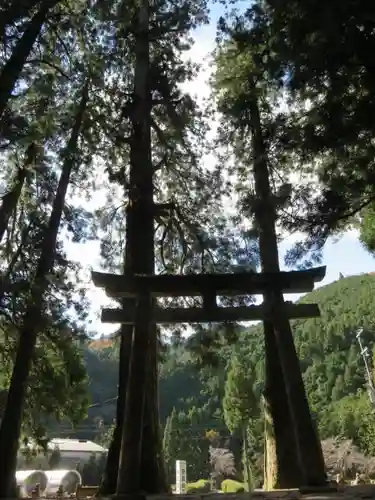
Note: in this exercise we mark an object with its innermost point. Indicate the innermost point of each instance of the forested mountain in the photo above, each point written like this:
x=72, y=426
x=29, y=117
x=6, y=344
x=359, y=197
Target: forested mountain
x=330, y=358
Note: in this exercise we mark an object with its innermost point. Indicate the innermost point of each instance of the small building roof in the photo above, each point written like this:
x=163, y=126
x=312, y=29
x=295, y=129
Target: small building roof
x=76, y=445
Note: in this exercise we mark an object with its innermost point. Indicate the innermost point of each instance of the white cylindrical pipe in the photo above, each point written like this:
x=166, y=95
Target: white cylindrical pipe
x=67, y=480
x=28, y=479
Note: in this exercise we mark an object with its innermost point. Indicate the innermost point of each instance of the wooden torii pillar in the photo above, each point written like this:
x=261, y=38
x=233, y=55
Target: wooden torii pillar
x=209, y=287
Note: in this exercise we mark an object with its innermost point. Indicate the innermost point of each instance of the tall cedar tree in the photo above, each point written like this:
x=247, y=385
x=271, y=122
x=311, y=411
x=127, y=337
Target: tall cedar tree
x=330, y=130
x=58, y=376
x=140, y=248
x=241, y=406
x=170, y=112
x=10, y=428
x=12, y=69
x=240, y=107
x=10, y=199
x=42, y=100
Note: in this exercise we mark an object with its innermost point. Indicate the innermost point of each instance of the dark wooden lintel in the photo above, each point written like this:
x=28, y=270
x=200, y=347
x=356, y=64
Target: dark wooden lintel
x=201, y=315
x=209, y=301
x=215, y=284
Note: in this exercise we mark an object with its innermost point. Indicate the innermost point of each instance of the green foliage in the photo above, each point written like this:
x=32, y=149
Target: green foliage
x=329, y=125
x=240, y=403
x=57, y=385
x=92, y=470
x=104, y=438
x=36, y=218
x=241, y=408
x=367, y=228
x=187, y=442
x=330, y=360
x=54, y=459
x=351, y=417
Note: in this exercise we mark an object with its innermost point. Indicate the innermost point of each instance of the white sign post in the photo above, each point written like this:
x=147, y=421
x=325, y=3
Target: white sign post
x=180, y=477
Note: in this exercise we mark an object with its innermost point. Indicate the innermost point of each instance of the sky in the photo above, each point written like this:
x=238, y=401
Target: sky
x=345, y=256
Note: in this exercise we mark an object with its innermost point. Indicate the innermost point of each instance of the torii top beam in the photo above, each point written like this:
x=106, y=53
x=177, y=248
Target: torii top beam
x=230, y=284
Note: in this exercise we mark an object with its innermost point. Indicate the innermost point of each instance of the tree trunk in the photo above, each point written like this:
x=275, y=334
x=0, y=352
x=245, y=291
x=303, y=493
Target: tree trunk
x=282, y=468
x=10, y=428
x=13, y=68
x=5, y=285
x=140, y=240
x=246, y=460
x=109, y=481
x=153, y=473
x=12, y=13
x=10, y=199
x=308, y=445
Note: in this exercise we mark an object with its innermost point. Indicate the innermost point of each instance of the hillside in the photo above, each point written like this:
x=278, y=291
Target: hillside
x=330, y=360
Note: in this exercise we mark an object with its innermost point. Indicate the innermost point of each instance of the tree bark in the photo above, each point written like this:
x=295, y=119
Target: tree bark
x=109, y=481
x=111, y=472
x=153, y=473
x=246, y=460
x=16, y=10
x=10, y=199
x=5, y=285
x=140, y=240
x=10, y=428
x=309, y=449
x=282, y=468
x=13, y=68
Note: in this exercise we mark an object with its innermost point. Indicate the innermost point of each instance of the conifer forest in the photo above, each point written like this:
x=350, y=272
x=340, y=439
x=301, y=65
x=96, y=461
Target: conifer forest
x=227, y=143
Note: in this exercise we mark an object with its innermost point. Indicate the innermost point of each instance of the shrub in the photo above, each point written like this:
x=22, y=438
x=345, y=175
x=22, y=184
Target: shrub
x=200, y=486
x=231, y=486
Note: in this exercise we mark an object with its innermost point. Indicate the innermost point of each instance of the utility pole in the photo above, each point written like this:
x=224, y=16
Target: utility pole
x=369, y=377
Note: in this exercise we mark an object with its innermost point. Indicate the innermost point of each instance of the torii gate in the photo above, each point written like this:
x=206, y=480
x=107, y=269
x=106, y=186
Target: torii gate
x=138, y=293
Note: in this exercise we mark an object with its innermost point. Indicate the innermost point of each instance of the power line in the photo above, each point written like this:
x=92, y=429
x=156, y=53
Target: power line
x=107, y=401
x=369, y=377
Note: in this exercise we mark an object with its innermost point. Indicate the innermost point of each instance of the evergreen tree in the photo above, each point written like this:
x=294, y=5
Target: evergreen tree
x=240, y=403
x=328, y=125
x=12, y=69
x=35, y=211
x=10, y=428
x=367, y=228
x=54, y=459
x=246, y=95
x=241, y=406
x=191, y=444
x=182, y=226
